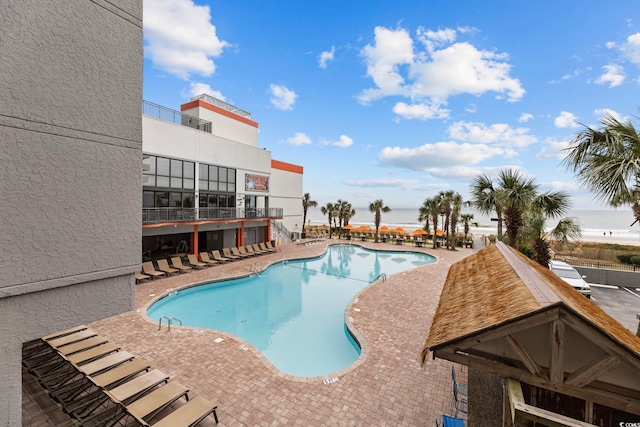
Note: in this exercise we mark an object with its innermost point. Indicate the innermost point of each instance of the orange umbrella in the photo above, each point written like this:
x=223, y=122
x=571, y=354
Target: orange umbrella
x=383, y=228
x=399, y=230
x=364, y=228
x=348, y=227
x=420, y=231
x=440, y=232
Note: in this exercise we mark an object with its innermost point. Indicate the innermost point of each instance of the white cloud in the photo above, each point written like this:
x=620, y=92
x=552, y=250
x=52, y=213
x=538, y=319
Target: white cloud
x=282, y=97
x=326, y=56
x=554, y=149
x=420, y=111
x=438, y=71
x=180, y=38
x=614, y=75
x=299, y=138
x=196, y=88
x=499, y=133
x=343, y=142
x=619, y=117
x=525, y=117
x=471, y=108
x=566, y=120
x=440, y=154
x=405, y=184
x=631, y=49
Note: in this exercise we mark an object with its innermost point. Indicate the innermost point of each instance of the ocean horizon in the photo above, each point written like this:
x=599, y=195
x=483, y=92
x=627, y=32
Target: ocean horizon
x=597, y=224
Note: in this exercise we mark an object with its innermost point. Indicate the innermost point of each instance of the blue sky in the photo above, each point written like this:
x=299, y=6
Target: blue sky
x=399, y=100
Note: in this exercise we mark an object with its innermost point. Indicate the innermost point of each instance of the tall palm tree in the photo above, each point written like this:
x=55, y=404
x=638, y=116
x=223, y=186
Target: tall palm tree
x=466, y=219
x=306, y=204
x=433, y=206
x=424, y=215
x=328, y=210
x=534, y=232
x=378, y=207
x=515, y=196
x=456, y=207
x=607, y=161
x=485, y=199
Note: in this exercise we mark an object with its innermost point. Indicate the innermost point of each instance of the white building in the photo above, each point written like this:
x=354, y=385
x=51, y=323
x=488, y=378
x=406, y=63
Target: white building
x=206, y=183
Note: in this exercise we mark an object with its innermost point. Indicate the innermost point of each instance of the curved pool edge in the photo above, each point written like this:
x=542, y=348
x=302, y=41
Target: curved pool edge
x=356, y=335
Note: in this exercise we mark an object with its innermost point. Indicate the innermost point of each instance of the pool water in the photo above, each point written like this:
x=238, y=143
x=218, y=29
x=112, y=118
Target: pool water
x=293, y=312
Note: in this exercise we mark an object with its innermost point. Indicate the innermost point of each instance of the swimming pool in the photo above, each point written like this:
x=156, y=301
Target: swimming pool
x=293, y=312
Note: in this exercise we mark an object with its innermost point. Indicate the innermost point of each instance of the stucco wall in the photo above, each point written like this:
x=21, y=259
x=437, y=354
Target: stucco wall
x=70, y=170
x=485, y=399
x=610, y=277
x=286, y=193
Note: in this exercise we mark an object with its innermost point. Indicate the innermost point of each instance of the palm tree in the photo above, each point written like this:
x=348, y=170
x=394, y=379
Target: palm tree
x=378, y=207
x=328, y=210
x=306, y=204
x=607, y=161
x=485, y=198
x=466, y=219
x=456, y=206
x=424, y=215
x=534, y=231
x=515, y=195
x=433, y=207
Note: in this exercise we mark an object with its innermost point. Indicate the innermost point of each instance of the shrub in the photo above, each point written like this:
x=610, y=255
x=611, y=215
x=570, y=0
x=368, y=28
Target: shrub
x=625, y=258
x=635, y=260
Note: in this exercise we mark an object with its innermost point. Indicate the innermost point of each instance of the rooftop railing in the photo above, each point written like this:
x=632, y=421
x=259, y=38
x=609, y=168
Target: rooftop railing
x=168, y=115
x=160, y=215
x=224, y=105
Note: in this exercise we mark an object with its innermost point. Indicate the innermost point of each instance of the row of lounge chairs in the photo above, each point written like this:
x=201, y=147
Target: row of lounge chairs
x=98, y=384
x=149, y=271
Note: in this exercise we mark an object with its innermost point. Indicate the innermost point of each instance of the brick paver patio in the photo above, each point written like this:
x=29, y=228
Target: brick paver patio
x=385, y=387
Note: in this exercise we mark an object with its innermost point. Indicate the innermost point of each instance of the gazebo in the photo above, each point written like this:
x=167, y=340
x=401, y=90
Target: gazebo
x=545, y=352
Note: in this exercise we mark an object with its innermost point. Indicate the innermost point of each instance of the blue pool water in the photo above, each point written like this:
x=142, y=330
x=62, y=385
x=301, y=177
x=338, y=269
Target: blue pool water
x=294, y=311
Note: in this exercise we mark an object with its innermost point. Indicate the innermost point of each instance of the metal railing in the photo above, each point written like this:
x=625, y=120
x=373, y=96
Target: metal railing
x=172, y=116
x=224, y=105
x=159, y=215
x=600, y=264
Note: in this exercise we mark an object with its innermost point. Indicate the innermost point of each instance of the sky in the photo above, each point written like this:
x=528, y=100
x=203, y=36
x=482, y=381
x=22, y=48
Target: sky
x=400, y=100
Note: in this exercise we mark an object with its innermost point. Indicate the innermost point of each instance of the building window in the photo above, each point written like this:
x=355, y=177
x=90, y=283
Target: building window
x=168, y=173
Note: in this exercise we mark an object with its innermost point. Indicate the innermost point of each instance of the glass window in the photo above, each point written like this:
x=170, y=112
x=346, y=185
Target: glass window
x=222, y=187
x=189, y=169
x=162, y=181
x=149, y=180
x=163, y=166
x=213, y=201
x=204, y=185
x=222, y=174
x=204, y=172
x=162, y=199
x=175, y=199
x=213, y=173
x=150, y=165
x=176, y=168
x=188, y=184
x=231, y=176
x=148, y=199
x=213, y=186
x=231, y=188
x=176, y=182
x=187, y=200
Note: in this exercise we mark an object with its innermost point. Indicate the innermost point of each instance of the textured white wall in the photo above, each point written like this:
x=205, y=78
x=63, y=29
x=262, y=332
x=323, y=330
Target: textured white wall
x=286, y=193
x=227, y=127
x=70, y=170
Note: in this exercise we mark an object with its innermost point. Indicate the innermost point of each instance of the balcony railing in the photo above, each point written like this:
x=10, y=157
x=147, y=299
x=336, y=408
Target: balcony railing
x=160, y=215
x=222, y=104
x=172, y=116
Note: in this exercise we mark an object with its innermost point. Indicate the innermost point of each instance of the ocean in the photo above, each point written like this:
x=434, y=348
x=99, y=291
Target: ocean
x=597, y=225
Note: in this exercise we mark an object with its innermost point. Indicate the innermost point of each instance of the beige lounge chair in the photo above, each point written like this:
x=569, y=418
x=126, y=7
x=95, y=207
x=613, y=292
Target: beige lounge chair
x=193, y=260
x=189, y=414
x=163, y=265
x=243, y=251
x=150, y=270
x=265, y=248
x=235, y=251
x=227, y=253
x=204, y=256
x=256, y=249
x=177, y=263
x=140, y=277
x=270, y=246
x=216, y=255
x=151, y=404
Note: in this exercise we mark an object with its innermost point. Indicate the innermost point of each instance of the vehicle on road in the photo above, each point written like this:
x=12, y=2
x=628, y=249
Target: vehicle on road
x=571, y=276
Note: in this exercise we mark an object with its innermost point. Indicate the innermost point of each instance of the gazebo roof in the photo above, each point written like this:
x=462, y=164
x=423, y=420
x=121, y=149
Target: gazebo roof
x=501, y=312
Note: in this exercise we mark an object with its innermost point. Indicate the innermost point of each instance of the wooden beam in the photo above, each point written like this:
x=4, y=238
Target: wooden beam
x=556, y=358
x=525, y=357
x=608, y=398
x=592, y=371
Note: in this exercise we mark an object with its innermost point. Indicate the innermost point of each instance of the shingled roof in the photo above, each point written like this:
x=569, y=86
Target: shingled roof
x=502, y=312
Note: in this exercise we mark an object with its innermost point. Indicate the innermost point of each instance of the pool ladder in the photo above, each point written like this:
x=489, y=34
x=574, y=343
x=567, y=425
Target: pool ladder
x=170, y=320
x=381, y=276
x=255, y=268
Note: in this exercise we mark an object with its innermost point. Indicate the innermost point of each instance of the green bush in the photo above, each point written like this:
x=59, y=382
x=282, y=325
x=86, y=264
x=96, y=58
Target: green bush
x=625, y=258
x=635, y=260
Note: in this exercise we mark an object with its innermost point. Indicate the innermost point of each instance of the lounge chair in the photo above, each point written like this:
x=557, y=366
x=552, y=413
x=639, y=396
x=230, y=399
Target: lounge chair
x=204, y=256
x=139, y=385
x=235, y=251
x=150, y=405
x=243, y=251
x=216, y=255
x=189, y=414
x=140, y=277
x=256, y=249
x=265, y=248
x=177, y=263
x=193, y=260
x=250, y=250
x=270, y=246
x=150, y=270
x=227, y=253
x=163, y=265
